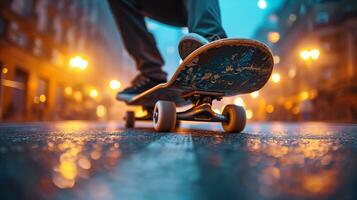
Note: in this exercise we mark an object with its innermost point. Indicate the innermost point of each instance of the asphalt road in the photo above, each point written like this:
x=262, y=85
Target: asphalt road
x=81, y=160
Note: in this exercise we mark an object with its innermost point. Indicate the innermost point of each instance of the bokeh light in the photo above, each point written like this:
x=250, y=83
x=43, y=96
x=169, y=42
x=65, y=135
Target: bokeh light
x=114, y=84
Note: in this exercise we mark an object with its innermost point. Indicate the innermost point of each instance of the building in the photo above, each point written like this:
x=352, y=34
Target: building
x=38, y=39
x=314, y=42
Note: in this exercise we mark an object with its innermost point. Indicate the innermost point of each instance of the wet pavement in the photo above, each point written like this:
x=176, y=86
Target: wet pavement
x=81, y=160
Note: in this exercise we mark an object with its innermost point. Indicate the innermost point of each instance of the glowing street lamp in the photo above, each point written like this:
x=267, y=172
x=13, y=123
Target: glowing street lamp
x=308, y=54
x=42, y=98
x=255, y=94
x=93, y=93
x=262, y=4
x=114, y=84
x=78, y=62
x=276, y=77
x=249, y=114
x=270, y=108
x=68, y=90
x=305, y=54
x=273, y=37
x=314, y=54
x=239, y=102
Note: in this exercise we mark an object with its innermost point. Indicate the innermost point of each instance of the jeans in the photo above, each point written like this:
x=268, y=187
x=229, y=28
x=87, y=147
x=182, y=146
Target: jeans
x=200, y=16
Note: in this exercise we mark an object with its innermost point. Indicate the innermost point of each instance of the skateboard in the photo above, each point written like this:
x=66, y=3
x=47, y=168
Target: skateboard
x=219, y=69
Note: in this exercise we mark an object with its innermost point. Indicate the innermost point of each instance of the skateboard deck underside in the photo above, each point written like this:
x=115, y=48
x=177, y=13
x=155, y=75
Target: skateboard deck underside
x=227, y=67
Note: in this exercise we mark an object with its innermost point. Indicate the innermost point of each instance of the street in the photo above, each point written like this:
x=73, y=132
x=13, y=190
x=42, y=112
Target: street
x=91, y=160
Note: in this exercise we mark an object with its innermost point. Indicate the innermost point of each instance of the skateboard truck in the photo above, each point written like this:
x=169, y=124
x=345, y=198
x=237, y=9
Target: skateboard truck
x=202, y=108
x=165, y=117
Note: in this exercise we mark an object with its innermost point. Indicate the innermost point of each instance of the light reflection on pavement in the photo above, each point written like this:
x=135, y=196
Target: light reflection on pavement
x=79, y=160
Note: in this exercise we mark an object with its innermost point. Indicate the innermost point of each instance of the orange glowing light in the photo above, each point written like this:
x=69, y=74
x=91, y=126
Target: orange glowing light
x=276, y=77
x=276, y=59
x=42, y=98
x=273, y=37
x=68, y=170
x=140, y=113
x=36, y=100
x=304, y=95
x=239, y=102
x=114, y=84
x=68, y=90
x=78, y=62
x=4, y=70
x=101, y=111
x=93, y=93
x=249, y=114
x=288, y=105
x=78, y=96
x=307, y=54
x=292, y=73
x=84, y=163
x=270, y=108
x=255, y=94
x=314, y=54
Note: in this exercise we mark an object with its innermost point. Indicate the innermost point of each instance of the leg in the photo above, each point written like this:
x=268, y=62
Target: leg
x=200, y=16
x=138, y=41
x=204, y=18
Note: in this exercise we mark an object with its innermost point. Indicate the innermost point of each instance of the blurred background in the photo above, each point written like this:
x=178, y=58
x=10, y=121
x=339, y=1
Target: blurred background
x=63, y=60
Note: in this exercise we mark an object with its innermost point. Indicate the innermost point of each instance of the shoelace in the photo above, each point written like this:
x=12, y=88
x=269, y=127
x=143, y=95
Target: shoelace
x=214, y=37
x=140, y=81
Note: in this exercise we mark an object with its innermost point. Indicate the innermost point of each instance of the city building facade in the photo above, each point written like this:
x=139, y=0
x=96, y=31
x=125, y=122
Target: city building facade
x=314, y=44
x=39, y=40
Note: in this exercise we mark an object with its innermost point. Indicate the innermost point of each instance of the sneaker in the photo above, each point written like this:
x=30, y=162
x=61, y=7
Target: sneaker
x=140, y=84
x=189, y=43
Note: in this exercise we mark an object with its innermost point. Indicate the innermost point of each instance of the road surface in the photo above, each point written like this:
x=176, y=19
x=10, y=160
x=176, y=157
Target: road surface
x=90, y=160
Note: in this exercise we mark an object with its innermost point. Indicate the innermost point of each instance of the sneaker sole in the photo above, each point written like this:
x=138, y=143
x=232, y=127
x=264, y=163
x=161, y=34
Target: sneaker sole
x=189, y=44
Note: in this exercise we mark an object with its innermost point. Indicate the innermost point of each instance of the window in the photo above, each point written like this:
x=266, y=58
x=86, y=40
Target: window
x=41, y=13
x=22, y=40
x=13, y=33
x=70, y=37
x=18, y=6
x=22, y=7
x=16, y=110
x=57, y=58
x=37, y=47
x=322, y=17
x=57, y=27
x=2, y=25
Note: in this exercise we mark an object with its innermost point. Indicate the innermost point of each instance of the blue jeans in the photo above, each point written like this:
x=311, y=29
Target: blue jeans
x=200, y=16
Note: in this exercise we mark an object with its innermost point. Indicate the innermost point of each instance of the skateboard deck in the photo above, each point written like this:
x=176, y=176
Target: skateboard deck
x=221, y=68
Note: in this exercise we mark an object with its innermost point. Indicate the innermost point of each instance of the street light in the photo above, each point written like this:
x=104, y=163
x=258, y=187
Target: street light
x=273, y=37
x=93, y=93
x=114, y=84
x=262, y=4
x=249, y=114
x=307, y=54
x=276, y=77
x=314, y=54
x=78, y=62
x=68, y=90
x=239, y=102
x=255, y=94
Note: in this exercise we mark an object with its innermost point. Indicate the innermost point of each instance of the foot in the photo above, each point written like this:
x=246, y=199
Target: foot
x=140, y=84
x=189, y=43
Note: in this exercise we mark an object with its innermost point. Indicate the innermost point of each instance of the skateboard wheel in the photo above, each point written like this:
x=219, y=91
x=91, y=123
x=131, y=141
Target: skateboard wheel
x=236, y=118
x=129, y=119
x=164, y=116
